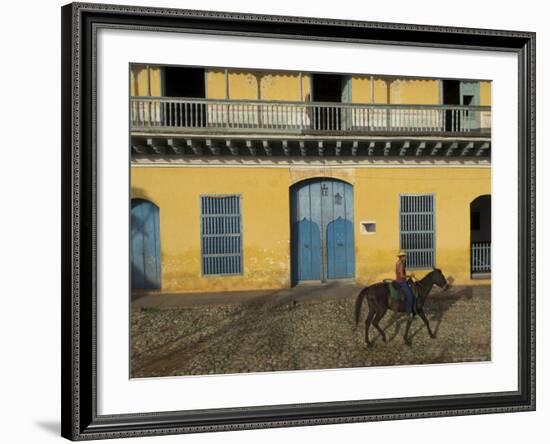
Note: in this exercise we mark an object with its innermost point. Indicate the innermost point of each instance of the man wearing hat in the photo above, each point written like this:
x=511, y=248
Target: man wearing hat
x=401, y=278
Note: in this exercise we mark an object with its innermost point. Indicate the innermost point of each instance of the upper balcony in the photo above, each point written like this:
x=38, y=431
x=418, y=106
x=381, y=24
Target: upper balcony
x=150, y=115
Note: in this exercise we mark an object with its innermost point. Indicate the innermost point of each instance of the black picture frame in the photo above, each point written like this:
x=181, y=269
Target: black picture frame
x=79, y=171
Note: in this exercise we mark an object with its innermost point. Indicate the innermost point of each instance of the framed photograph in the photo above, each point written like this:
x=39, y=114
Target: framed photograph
x=275, y=221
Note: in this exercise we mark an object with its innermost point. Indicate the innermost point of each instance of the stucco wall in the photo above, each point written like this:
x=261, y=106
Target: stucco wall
x=265, y=224
x=243, y=85
x=485, y=98
x=139, y=79
x=377, y=199
x=265, y=218
x=401, y=91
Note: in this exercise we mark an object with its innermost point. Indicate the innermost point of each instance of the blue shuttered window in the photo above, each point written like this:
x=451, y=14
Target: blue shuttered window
x=417, y=229
x=221, y=235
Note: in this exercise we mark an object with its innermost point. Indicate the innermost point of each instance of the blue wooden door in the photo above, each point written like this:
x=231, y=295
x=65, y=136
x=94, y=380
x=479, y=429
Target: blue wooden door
x=322, y=230
x=340, y=254
x=306, y=232
x=338, y=222
x=145, y=245
x=308, y=250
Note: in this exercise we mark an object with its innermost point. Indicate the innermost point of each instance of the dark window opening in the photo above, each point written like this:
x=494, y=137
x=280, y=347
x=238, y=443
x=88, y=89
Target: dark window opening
x=184, y=82
x=451, y=96
x=370, y=227
x=467, y=100
x=480, y=235
x=327, y=88
x=475, y=220
x=451, y=92
x=480, y=219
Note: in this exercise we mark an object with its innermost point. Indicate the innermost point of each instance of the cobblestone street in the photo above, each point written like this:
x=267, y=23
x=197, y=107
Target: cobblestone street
x=294, y=330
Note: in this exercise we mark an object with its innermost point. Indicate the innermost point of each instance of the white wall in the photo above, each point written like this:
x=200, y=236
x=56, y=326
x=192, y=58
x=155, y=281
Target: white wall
x=30, y=234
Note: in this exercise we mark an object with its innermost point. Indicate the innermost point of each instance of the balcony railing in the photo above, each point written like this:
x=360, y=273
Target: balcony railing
x=176, y=114
x=481, y=257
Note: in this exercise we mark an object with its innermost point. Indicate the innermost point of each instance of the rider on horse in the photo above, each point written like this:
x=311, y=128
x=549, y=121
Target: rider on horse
x=401, y=278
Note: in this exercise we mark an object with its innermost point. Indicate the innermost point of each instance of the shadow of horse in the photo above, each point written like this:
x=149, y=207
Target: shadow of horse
x=438, y=305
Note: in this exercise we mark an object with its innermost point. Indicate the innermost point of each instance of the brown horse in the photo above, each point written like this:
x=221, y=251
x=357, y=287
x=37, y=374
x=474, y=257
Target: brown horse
x=379, y=300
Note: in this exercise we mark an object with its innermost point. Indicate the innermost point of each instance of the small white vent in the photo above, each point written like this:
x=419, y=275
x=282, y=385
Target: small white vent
x=368, y=227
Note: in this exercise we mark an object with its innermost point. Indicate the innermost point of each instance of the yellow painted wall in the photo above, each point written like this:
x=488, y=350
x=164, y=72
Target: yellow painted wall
x=265, y=219
x=485, y=90
x=454, y=189
x=156, y=81
x=360, y=89
x=414, y=91
x=401, y=91
x=265, y=223
x=284, y=86
x=243, y=85
x=139, y=79
x=215, y=84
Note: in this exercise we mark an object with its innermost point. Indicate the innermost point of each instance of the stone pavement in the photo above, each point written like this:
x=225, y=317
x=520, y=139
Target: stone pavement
x=307, y=327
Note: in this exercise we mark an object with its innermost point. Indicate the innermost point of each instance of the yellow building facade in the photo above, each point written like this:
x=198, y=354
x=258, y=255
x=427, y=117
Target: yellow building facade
x=180, y=168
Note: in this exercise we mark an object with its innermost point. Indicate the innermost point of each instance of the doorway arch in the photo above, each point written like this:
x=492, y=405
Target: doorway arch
x=480, y=235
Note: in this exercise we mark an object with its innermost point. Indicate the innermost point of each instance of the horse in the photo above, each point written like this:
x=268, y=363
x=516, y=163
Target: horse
x=379, y=301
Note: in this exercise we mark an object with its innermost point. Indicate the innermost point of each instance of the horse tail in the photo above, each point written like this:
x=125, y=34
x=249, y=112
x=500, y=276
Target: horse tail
x=359, y=303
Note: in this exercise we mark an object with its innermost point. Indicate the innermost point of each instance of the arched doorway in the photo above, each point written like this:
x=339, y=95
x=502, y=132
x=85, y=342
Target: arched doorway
x=145, y=245
x=480, y=235
x=322, y=237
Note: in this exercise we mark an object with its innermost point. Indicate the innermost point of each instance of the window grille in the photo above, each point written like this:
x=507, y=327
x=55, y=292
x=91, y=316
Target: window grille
x=221, y=235
x=417, y=229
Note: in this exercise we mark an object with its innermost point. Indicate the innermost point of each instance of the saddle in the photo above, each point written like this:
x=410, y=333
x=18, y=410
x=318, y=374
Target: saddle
x=396, y=292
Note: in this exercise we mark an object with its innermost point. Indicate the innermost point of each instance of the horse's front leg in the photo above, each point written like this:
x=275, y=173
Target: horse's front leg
x=425, y=319
x=375, y=322
x=406, y=336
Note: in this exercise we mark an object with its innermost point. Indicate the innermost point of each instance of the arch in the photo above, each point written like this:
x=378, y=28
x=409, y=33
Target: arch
x=145, y=245
x=319, y=176
x=322, y=235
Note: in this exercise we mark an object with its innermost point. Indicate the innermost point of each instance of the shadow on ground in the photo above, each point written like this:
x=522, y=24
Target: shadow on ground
x=309, y=327
x=435, y=309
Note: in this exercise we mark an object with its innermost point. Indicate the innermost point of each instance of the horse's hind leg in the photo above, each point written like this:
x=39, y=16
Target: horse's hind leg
x=425, y=319
x=377, y=319
x=367, y=325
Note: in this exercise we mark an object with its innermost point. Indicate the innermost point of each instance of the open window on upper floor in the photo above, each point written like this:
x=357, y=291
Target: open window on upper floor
x=463, y=93
x=458, y=92
x=327, y=87
x=184, y=82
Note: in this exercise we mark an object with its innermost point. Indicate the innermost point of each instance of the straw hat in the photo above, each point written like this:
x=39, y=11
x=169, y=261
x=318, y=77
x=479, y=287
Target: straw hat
x=401, y=253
